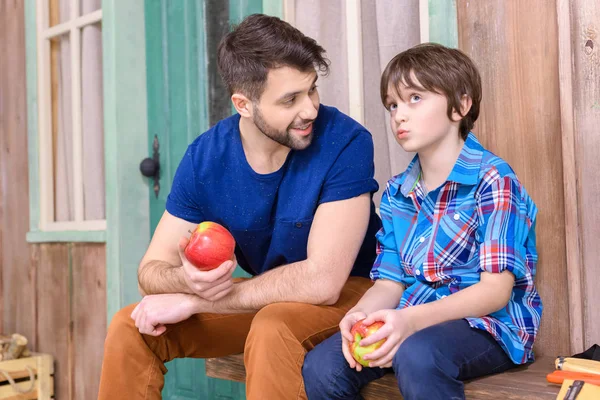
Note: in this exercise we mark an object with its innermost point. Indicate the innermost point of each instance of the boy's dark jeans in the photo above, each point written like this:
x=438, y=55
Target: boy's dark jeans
x=431, y=364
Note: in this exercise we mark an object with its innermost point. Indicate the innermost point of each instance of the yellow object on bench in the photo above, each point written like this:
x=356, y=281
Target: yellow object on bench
x=578, y=390
x=28, y=378
x=526, y=382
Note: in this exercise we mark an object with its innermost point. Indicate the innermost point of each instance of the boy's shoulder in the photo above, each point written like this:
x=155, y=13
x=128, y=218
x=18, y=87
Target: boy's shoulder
x=493, y=164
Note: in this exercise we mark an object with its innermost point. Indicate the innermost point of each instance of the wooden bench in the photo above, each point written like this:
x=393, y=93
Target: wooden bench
x=523, y=383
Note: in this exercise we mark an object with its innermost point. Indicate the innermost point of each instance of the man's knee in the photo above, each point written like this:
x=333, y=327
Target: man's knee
x=121, y=324
x=272, y=320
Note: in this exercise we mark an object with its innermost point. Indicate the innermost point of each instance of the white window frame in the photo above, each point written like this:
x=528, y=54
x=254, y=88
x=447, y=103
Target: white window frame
x=45, y=33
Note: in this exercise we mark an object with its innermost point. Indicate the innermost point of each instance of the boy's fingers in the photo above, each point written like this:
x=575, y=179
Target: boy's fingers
x=385, y=348
x=375, y=337
x=376, y=316
x=347, y=335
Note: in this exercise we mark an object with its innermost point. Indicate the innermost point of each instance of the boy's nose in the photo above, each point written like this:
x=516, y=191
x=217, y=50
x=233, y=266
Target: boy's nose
x=400, y=117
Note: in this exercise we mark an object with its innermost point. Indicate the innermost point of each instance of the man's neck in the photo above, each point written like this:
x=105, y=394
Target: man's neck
x=262, y=153
x=438, y=161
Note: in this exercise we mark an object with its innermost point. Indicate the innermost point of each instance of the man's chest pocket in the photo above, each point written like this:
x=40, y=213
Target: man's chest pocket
x=290, y=240
x=456, y=244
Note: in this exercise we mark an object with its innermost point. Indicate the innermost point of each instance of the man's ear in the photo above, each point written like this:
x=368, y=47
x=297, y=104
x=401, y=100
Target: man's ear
x=242, y=105
x=465, y=105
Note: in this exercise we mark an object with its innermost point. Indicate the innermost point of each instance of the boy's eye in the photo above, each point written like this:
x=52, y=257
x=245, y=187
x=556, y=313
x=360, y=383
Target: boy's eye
x=392, y=107
x=415, y=98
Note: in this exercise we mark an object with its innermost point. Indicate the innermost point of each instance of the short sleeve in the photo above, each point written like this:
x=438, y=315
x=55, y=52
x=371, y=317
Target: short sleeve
x=182, y=201
x=504, y=227
x=352, y=174
x=387, y=264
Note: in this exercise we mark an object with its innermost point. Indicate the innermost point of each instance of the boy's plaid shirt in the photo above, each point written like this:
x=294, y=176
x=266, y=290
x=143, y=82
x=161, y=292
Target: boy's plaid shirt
x=480, y=219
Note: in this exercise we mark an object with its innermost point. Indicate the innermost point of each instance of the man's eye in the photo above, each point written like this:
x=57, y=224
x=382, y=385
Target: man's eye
x=313, y=89
x=415, y=98
x=290, y=100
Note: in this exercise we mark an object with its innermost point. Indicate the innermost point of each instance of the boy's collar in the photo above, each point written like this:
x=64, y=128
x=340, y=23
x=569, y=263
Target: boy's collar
x=465, y=170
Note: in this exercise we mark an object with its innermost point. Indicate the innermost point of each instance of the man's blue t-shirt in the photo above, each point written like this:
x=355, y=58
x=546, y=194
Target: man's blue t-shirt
x=270, y=215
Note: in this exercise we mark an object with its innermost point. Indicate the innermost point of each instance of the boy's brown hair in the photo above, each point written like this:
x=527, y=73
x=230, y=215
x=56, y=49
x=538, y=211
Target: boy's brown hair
x=260, y=43
x=439, y=69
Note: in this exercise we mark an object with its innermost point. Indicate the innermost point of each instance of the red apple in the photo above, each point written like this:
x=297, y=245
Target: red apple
x=360, y=331
x=210, y=245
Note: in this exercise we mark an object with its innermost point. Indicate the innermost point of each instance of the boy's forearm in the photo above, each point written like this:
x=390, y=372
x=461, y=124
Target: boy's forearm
x=158, y=277
x=382, y=295
x=481, y=299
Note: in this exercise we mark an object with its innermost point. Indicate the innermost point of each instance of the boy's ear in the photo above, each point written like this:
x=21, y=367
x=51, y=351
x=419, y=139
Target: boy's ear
x=465, y=105
x=242, y=105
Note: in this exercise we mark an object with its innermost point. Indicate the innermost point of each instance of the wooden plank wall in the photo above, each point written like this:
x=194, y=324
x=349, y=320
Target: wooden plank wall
x=585, y=45
x=17, y=276
x=54, y=294
x=515, y=45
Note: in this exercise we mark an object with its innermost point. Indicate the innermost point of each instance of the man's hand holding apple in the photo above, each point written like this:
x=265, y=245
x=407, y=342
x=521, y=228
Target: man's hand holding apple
x=396, y=329
x=210, y=285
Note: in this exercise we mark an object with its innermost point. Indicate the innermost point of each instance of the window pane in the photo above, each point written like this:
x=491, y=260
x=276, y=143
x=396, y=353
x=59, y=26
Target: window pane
x=219, y=104
x=92, y=122
x=59, y=11
x=88, y=6
x=62, y=128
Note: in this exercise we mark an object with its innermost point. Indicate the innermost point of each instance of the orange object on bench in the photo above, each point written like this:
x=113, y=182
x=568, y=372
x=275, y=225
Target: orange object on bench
x=560, y=376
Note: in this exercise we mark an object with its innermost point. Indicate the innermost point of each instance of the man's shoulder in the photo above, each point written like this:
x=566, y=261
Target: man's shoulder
x=332, y=122
x=218, y=134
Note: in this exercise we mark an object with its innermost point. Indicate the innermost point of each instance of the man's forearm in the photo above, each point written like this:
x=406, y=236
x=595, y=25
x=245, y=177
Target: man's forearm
x=298, y=282
x=157, y=277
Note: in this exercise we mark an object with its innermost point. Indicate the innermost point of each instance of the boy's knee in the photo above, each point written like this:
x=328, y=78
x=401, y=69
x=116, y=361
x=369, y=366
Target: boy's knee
x=416, y=356
x=315, y=372
x=323, y=371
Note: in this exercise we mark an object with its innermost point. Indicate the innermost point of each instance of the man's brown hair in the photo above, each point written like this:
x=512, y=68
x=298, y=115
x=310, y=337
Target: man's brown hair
x=439, y=69
x=260, y=43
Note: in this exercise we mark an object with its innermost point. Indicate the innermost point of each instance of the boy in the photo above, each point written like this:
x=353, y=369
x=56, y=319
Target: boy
x=456, y=253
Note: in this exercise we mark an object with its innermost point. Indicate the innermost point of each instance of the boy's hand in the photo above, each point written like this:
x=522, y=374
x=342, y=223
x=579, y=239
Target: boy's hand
x=209, y=285
x=155, y=311
x=397, y=327
x=345, y=325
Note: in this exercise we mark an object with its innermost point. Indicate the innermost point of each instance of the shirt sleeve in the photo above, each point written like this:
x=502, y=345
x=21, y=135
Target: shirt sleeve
x=504, y=227
x=352, y=174
x=182, y=201
x=387, y=264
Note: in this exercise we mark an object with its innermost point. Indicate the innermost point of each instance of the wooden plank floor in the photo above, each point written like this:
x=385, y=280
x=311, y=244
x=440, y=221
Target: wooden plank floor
x=523, y=383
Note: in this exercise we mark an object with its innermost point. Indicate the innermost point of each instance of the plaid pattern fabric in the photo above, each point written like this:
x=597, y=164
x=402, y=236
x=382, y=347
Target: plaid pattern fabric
x=480, y=219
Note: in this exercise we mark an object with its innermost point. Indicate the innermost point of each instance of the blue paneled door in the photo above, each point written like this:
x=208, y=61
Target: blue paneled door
x=185, y=98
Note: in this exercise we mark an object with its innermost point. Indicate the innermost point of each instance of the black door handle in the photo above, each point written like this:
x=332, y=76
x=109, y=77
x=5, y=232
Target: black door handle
x=150, y=167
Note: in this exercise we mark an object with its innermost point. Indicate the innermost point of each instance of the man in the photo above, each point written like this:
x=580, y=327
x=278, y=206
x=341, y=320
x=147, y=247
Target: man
x=292, y=180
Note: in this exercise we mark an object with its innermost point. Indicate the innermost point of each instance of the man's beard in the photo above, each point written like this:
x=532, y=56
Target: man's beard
x=284, y=138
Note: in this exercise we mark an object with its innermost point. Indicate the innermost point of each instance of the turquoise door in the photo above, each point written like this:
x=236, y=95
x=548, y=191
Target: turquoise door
x=186, y=97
